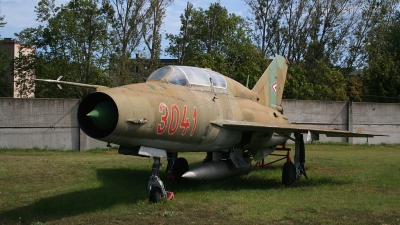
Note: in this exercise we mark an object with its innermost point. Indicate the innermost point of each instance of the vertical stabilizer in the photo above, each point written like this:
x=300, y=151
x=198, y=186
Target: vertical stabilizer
x=270, y=86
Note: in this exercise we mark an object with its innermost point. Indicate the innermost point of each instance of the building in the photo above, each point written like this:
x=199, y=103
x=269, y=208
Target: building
x=17, y=83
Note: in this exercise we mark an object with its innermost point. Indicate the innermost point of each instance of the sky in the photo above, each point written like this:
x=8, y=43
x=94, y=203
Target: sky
x=19, y=14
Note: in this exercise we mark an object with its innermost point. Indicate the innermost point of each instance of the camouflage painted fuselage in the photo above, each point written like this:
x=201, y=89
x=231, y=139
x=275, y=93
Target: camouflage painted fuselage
x=176, y=118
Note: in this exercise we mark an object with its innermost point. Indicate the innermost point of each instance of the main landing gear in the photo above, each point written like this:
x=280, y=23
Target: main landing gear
x=292, y=172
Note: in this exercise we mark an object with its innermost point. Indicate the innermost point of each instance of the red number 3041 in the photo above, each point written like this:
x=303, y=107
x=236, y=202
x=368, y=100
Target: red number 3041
x=175, y=121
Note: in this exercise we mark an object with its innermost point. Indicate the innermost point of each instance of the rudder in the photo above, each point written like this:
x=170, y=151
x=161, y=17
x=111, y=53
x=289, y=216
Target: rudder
x=271, y=84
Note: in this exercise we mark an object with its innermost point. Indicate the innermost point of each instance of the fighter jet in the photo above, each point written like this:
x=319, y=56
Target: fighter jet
x=190, y=109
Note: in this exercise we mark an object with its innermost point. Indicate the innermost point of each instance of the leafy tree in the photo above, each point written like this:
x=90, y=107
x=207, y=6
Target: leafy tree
x=178, y=43
x=354, y=88
x=73, y=45
x=297, y=87
x=92, y=41
x=382, y=75
x=266, y=20
x=328, y=84
x=325, y=38
x=336, y=29
x=152, y=30
x=128, y=19
x=215, y=39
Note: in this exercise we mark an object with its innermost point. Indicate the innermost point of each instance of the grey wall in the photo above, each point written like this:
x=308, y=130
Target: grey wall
x=42, y=123
x=378, y=118
x=52, y=123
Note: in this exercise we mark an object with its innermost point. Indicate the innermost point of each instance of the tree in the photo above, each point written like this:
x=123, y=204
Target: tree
x=92, y=41
x=297, y=87
x=127, y=21
x=382, y=75
x=330, y=35
x=369, y=15
x=215, y=39
x=152, y=30
x=178, y=43
x=202, y=32
x=354, y=88
x=288, y=27
x=327, y=84
x=266, y=19
x=2, y=23
x=73, y=44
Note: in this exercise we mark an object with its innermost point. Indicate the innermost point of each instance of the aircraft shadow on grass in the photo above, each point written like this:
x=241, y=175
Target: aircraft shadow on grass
x=120, y=186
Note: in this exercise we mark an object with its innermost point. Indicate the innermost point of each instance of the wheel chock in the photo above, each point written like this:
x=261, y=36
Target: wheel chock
x=170, y=195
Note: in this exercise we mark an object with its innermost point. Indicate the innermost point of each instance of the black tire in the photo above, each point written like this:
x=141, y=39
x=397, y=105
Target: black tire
x=180, y=167
x=288, y=174
x=155, y=195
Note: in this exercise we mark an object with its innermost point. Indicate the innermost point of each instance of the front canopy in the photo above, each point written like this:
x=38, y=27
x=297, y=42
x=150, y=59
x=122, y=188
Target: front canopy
x=187, y=75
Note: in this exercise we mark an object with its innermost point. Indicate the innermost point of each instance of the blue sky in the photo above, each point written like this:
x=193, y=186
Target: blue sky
x=19, y=14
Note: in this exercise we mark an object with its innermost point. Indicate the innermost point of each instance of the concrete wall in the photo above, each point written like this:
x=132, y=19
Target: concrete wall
x=42, y=123
x=52, y=123
x=317, y=113
x=379, y=118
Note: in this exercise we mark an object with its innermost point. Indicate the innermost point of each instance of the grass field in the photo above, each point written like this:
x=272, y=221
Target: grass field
x=354, y=184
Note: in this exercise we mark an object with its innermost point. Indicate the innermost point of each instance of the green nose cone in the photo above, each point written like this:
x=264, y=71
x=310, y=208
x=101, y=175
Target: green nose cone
x=104, y=115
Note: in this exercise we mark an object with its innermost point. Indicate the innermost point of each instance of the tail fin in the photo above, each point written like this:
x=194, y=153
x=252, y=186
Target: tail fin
x=270, y=86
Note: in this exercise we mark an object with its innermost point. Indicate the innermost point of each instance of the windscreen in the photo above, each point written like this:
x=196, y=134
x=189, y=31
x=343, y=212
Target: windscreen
x=160, y=73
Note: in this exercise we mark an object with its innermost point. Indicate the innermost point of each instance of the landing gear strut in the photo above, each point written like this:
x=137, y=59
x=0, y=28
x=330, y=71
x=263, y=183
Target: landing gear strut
x=156, y=186
x=300, y=156
x=292, y=172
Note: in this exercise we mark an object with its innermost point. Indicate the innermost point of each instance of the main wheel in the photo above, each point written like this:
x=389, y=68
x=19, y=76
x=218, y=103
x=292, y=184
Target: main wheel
x=288, y=174
x=180, y=167
x=155, y=195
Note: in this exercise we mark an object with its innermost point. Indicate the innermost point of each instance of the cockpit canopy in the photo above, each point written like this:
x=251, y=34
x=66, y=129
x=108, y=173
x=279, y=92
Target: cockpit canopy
x=186, y=75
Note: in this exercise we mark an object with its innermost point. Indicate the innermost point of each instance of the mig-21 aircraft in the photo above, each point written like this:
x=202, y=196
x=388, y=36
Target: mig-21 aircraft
x=190, y=109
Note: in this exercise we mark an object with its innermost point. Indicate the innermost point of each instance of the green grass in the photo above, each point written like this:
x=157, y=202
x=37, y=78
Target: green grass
x=348, y=184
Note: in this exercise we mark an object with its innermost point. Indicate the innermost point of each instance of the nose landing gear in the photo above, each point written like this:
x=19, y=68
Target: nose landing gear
x=156, y=186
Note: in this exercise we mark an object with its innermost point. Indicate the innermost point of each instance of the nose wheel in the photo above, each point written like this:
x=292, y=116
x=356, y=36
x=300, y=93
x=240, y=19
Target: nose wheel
x=156, y=195
x=156, y=186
